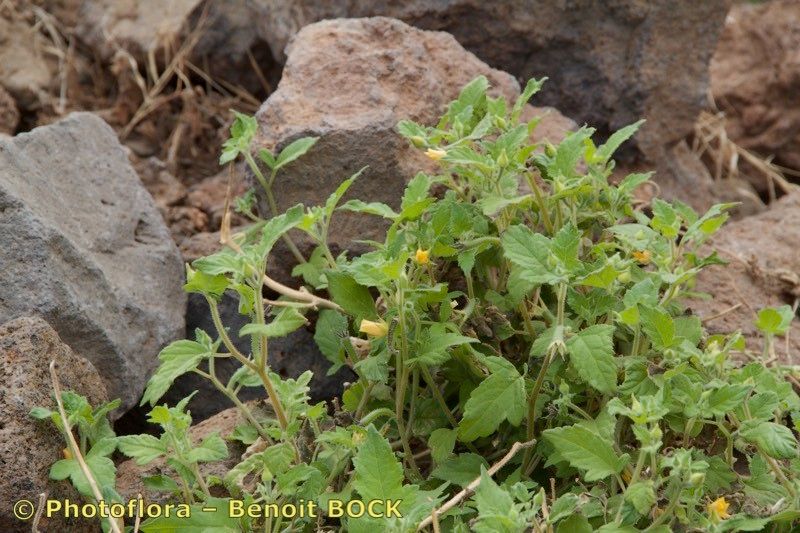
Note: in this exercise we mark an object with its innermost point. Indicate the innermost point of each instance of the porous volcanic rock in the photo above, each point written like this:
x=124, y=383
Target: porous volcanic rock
x=349, y=82
x=29, y=447
x=755, y=78
x=764, y=271
x=609, y=63
x=85, y=248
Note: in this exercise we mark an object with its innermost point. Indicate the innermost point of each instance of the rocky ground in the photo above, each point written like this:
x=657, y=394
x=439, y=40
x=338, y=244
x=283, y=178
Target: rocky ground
x=112, y=115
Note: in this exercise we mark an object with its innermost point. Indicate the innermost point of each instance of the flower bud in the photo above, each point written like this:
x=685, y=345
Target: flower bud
x=374, y=329
x=435, y=154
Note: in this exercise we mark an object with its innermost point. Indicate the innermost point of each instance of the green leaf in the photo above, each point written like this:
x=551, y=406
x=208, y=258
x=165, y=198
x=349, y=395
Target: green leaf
x=773, y=439
x=665, y=219
x=604, y=152
x=277, y=226
x=496, y=510
x=213, y=448
x=330, y=331
x=354, y=298
x=726, y=398
x=371, y=208
x=499, y=397
x=101, y=467
x=286, y=321
x=565, y=246
x=202, y=283
x=659, y=327
x=40, y=413
x=530, y=252
x=775, y=321
x=142, y=448
x=586, y=451
x=378, y=474
x=461, y=469
x=592, y=354
x=442, y=441
x=436, y=340
x=176, y=359
x=642, y=496
x=294, y=150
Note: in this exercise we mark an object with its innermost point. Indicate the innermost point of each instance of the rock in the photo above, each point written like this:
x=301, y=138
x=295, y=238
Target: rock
x=164, y=187
x=209, y=196
x=85, y=248
x=349, y=82
x=764, y=271
x=220, y=34
x=682, y=175
x=25, y=70
x=755, y=78
x=28, y=447
x=130, y=475
x=609, y=64
x=9, y=114
x=289, y=356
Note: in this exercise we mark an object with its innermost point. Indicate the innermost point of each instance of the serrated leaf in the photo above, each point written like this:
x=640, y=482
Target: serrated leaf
x=436, y=341
x=586, y=451
x=592, y=354
x=212, y=448
x=176, y=359
x=378, y=474
x=142, y=448
x=726, y=398
x=529, y=251
x=659, y=327
x=461, y=469
x=277, y=226
x=775, y=440
x=499, y=397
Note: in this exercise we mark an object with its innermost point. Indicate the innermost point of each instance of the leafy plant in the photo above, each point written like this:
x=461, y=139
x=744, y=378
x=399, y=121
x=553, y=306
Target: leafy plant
x=523, y=353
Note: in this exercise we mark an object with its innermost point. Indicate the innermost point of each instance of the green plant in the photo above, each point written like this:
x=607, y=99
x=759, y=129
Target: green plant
x=523, y=354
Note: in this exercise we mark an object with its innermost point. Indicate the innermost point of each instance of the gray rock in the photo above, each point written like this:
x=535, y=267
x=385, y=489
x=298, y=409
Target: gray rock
x=609, y=63
x=349, y=82
x=28, y=447
x=289, y=356
x=85, y=248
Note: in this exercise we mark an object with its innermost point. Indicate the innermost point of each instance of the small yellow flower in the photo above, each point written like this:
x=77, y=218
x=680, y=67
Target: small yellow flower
x=422, y=257
x=626, y=476
x=66, y=453
x=718, y=509
x=643, y=257
x=435, y=154
x=374, y=329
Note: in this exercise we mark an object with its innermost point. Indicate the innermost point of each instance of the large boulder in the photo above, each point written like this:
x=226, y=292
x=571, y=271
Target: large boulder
x=85, y=248
x=755, y=78
x=763, y=271
x=349, y=82
x=609, y=63
x=29, y=447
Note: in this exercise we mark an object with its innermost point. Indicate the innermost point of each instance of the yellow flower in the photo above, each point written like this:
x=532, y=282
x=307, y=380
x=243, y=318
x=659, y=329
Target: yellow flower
x=643, y=257
x=374, y=329
x=718, y=509
x=626, y=476
x=66, y=453
x=435, y=154
x=422, y=257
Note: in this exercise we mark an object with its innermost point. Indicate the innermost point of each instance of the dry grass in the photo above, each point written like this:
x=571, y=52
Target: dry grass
x=711, y=140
